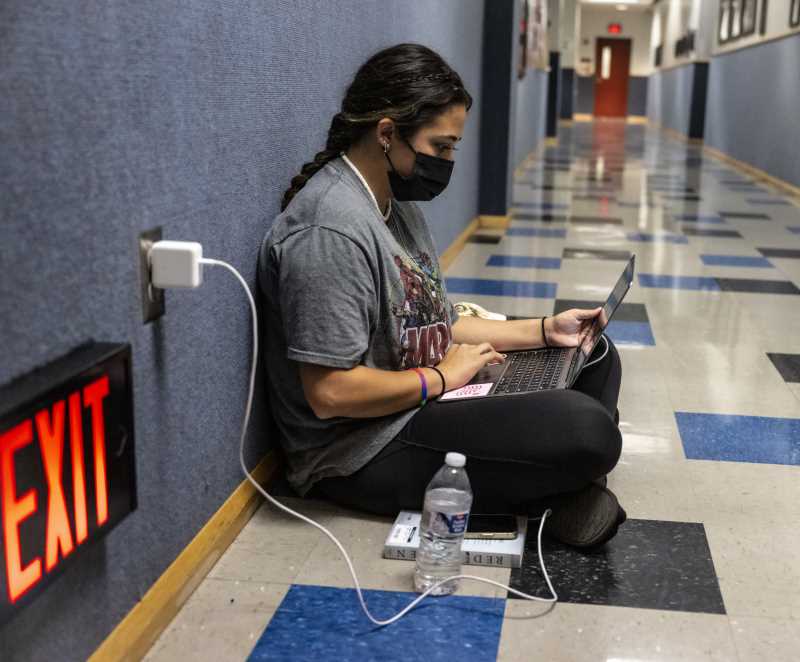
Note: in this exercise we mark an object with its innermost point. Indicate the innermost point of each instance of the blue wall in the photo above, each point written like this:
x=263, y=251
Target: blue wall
x=637, y=95
x=530, y=114
x=567, y=93
x=669, y=97
x=119, y=116
x=753, y=106
x=584, y=95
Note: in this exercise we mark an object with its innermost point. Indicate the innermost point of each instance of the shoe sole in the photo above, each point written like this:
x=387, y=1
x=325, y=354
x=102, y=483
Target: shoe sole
x=587, y=519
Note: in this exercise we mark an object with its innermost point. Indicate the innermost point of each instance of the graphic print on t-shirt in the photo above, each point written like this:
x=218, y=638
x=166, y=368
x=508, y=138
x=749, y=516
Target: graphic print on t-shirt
x=422, y=319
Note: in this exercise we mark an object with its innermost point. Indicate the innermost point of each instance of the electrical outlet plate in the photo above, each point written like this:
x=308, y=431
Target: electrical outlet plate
x=152, y=297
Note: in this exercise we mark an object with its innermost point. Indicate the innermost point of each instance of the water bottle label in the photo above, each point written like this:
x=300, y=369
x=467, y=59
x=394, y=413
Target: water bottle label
x=456, y=524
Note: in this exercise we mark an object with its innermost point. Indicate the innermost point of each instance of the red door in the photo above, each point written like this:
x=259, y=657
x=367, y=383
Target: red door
x=612, y=68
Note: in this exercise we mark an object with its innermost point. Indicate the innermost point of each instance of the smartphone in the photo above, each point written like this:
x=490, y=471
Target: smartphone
x=494, y=527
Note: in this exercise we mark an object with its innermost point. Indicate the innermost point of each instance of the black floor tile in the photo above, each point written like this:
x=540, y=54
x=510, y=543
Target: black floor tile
x=649, y=564
x=757, y=286
x=627, y=312
x=745, y=216
x=686, y=198
x=780, y=252
x=788, y=365
x=594, y=254
x=484, y=239
x=710, y=232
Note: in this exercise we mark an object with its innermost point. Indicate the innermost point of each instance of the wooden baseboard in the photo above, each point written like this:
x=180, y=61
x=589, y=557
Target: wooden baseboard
x=494, y=222
x=637, y=119
x=448, y=257
x=136, y=633
x=582, y=117
x=756, y=173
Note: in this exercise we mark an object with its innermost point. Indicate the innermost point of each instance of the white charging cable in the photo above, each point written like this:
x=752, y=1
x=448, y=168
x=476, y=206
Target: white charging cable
x=600, y=358
x=403, y=612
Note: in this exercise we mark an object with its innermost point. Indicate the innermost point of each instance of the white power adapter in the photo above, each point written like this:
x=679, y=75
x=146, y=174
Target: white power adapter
x=176, y=264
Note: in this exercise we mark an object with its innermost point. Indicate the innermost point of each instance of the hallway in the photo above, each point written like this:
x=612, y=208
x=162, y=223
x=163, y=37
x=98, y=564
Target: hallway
x=707, y=565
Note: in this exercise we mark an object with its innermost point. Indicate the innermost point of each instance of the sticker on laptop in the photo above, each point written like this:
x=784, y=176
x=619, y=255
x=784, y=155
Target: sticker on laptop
x=468, y=391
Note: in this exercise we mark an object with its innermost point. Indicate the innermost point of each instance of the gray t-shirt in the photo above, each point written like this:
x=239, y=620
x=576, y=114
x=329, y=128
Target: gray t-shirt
x=342, y=288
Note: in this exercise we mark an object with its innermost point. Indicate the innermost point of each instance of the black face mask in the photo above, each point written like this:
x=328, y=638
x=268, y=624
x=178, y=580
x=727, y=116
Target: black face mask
x=428, y=179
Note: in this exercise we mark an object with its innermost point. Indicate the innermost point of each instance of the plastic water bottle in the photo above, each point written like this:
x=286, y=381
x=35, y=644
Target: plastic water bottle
x=448, y=499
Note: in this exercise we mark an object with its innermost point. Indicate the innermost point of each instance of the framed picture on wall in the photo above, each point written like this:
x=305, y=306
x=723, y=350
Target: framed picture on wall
x=723, y=30
x=538, y=55
x=737, y=18
x=735, y=29
x=749, y=11
x=522, y=63
x=794, y=14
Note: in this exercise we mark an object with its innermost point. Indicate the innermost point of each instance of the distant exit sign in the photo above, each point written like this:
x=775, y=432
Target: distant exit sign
x=66, y=465
x=614, y=28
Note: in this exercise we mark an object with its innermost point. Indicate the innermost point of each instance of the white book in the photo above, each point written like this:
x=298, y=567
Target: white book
x=403, y=541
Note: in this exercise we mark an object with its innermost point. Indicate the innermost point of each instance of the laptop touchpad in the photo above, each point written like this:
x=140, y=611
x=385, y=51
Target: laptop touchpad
x=488, y=374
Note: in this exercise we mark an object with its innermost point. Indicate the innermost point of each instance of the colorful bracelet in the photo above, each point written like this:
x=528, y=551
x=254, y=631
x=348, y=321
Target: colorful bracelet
x=424, y=386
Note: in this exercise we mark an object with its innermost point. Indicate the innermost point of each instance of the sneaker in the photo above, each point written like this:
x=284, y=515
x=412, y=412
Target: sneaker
x=586, y=518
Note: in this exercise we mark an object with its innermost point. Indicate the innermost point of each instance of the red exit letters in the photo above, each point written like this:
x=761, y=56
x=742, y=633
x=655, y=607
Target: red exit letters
x=49, y=427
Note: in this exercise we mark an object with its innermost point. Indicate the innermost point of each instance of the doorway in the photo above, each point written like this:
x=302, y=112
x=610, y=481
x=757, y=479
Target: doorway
x=612, y=70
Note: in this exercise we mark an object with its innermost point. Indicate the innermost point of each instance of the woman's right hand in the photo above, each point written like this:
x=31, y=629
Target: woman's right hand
x=462, y=362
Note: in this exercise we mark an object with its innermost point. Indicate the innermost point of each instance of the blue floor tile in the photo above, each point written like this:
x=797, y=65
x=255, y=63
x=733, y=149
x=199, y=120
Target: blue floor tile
x=630, y=333
x=524, y=262
x=735, y=261
x=657, y=238
x=709, y=219
x=502, y=288
x=324, y=623
x=794, y=229
x=553, y=233
x=679, y=282
x=740, y=438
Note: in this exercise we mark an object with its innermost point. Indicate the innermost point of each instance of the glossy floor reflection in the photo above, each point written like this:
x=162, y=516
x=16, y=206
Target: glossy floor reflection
x=708, y=565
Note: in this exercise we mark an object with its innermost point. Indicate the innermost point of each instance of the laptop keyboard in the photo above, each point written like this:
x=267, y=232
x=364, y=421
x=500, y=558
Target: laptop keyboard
x=531, y=371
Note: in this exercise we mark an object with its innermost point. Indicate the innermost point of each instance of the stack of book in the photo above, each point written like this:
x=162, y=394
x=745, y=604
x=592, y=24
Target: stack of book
x=403, y=541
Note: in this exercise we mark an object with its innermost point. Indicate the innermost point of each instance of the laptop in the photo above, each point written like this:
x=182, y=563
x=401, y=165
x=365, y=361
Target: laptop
x=543, y=369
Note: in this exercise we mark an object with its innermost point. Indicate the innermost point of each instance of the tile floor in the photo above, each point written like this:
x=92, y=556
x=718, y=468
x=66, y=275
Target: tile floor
x=707, y=566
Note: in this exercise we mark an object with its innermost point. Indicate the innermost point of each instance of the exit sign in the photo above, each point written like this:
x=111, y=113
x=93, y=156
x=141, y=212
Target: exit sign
x=67, y=474
x=614, y=28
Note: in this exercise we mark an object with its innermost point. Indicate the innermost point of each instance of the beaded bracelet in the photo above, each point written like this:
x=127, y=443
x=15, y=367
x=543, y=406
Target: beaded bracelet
x=424, y=384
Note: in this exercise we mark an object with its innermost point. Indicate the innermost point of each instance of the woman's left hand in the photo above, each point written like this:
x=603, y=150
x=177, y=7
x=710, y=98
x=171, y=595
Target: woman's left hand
x=568, y=329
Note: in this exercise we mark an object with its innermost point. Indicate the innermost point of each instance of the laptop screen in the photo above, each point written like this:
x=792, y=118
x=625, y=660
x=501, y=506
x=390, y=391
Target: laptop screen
x=595, y=329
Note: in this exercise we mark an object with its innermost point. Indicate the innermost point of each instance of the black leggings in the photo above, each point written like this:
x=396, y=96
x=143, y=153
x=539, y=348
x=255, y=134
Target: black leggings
x=519, y=449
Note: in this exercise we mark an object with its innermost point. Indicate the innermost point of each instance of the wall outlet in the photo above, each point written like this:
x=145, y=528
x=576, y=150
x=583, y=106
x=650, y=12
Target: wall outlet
x=152, y=297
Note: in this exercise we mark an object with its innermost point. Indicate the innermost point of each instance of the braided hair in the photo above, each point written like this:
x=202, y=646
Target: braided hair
x=408, y=83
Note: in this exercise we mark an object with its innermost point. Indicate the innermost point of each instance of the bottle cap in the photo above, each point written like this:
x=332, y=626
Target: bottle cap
x=455, y=460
